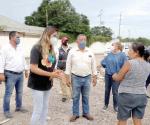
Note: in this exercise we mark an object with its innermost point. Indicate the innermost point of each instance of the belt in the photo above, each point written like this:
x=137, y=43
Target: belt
x=17, y=73
x=82, y=76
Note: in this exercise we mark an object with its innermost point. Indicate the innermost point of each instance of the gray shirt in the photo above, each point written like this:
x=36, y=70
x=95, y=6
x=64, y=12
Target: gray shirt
x=135, y=79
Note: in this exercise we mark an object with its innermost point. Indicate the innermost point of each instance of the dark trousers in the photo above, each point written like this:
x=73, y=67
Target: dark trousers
x=111, y=84
x=148, y=81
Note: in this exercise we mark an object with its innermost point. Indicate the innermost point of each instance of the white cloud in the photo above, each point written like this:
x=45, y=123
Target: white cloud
x=138, y=8
x=135, y=12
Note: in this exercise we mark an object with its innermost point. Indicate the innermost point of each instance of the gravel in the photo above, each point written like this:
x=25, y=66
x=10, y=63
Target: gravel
x=60, y=112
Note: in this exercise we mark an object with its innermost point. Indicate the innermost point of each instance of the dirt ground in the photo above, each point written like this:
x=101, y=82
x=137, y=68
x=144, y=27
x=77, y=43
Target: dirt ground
x=60, y=112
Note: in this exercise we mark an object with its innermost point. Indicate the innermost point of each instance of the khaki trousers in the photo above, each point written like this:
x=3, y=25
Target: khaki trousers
x=66, y=91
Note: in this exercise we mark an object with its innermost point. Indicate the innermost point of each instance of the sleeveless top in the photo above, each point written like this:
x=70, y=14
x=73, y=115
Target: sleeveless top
x=135, y=79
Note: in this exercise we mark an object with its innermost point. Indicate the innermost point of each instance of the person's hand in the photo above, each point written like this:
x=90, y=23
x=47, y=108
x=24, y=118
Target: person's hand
x=65, y=79
x=68, y=82
x=94, y=81
x=58, y=71
x=2, y=77
x=114, y=76
x=55, y=74
x=26, y=74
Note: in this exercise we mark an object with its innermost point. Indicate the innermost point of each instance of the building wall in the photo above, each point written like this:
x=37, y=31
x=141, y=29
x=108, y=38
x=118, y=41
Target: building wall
x=27, y=43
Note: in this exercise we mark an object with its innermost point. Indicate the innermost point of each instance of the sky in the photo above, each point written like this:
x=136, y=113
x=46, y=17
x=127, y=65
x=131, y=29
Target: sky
x=135, y=14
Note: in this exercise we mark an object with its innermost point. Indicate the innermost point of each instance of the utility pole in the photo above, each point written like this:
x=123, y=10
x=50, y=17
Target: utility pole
x=120, y=20
x=46, y=12
x=46, y=17
x=100, y=16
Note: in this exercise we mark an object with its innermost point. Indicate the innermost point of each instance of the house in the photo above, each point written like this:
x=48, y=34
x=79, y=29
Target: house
x=29, y=34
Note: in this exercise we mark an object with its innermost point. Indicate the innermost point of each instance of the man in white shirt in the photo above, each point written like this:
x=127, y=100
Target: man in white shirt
x=12, y=66
x=81, y=65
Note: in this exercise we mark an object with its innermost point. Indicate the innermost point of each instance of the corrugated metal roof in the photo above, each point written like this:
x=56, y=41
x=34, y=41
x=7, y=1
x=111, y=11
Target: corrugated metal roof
x=7, y=24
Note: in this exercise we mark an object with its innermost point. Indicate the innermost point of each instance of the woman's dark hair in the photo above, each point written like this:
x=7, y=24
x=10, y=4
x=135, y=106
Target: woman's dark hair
x=140, y=49
x=147, y=55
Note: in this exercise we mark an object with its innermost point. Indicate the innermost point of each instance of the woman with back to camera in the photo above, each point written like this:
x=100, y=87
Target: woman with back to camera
x=42, y=63
x=132, y=98
x=112, y=63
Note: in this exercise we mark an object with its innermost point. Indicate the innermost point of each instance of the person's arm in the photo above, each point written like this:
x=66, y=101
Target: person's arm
x=34, y=68
x=34, y=59
x=68, y=68
x=26, y=68
x=103, y=62
x=125, y=59
x=2, y=64
x=94, y=80
x=120, y=75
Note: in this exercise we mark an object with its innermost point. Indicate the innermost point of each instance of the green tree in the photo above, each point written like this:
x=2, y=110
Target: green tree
x=101, y=31
x=62, y=14
x=143, y=40
x=103, y=34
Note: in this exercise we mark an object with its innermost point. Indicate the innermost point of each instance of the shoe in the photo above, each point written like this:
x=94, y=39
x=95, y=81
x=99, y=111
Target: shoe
x=74, y=118
x=8, y=115
x=116, y=109
x=105, y=107
x=23, y=110
x=148, y=97
x=64, y=99
x=88, y=117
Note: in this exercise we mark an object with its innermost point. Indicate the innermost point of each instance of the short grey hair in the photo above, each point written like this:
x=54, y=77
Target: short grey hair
x=80, y=36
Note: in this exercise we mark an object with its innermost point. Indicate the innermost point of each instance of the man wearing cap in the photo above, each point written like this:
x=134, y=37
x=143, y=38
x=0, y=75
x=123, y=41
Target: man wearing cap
x=61, y=64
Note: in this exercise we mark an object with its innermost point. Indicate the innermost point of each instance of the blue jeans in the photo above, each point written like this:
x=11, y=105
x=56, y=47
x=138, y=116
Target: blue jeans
x=81, y=85
x=13, y=80
x=111, y=84
x=40, y=107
